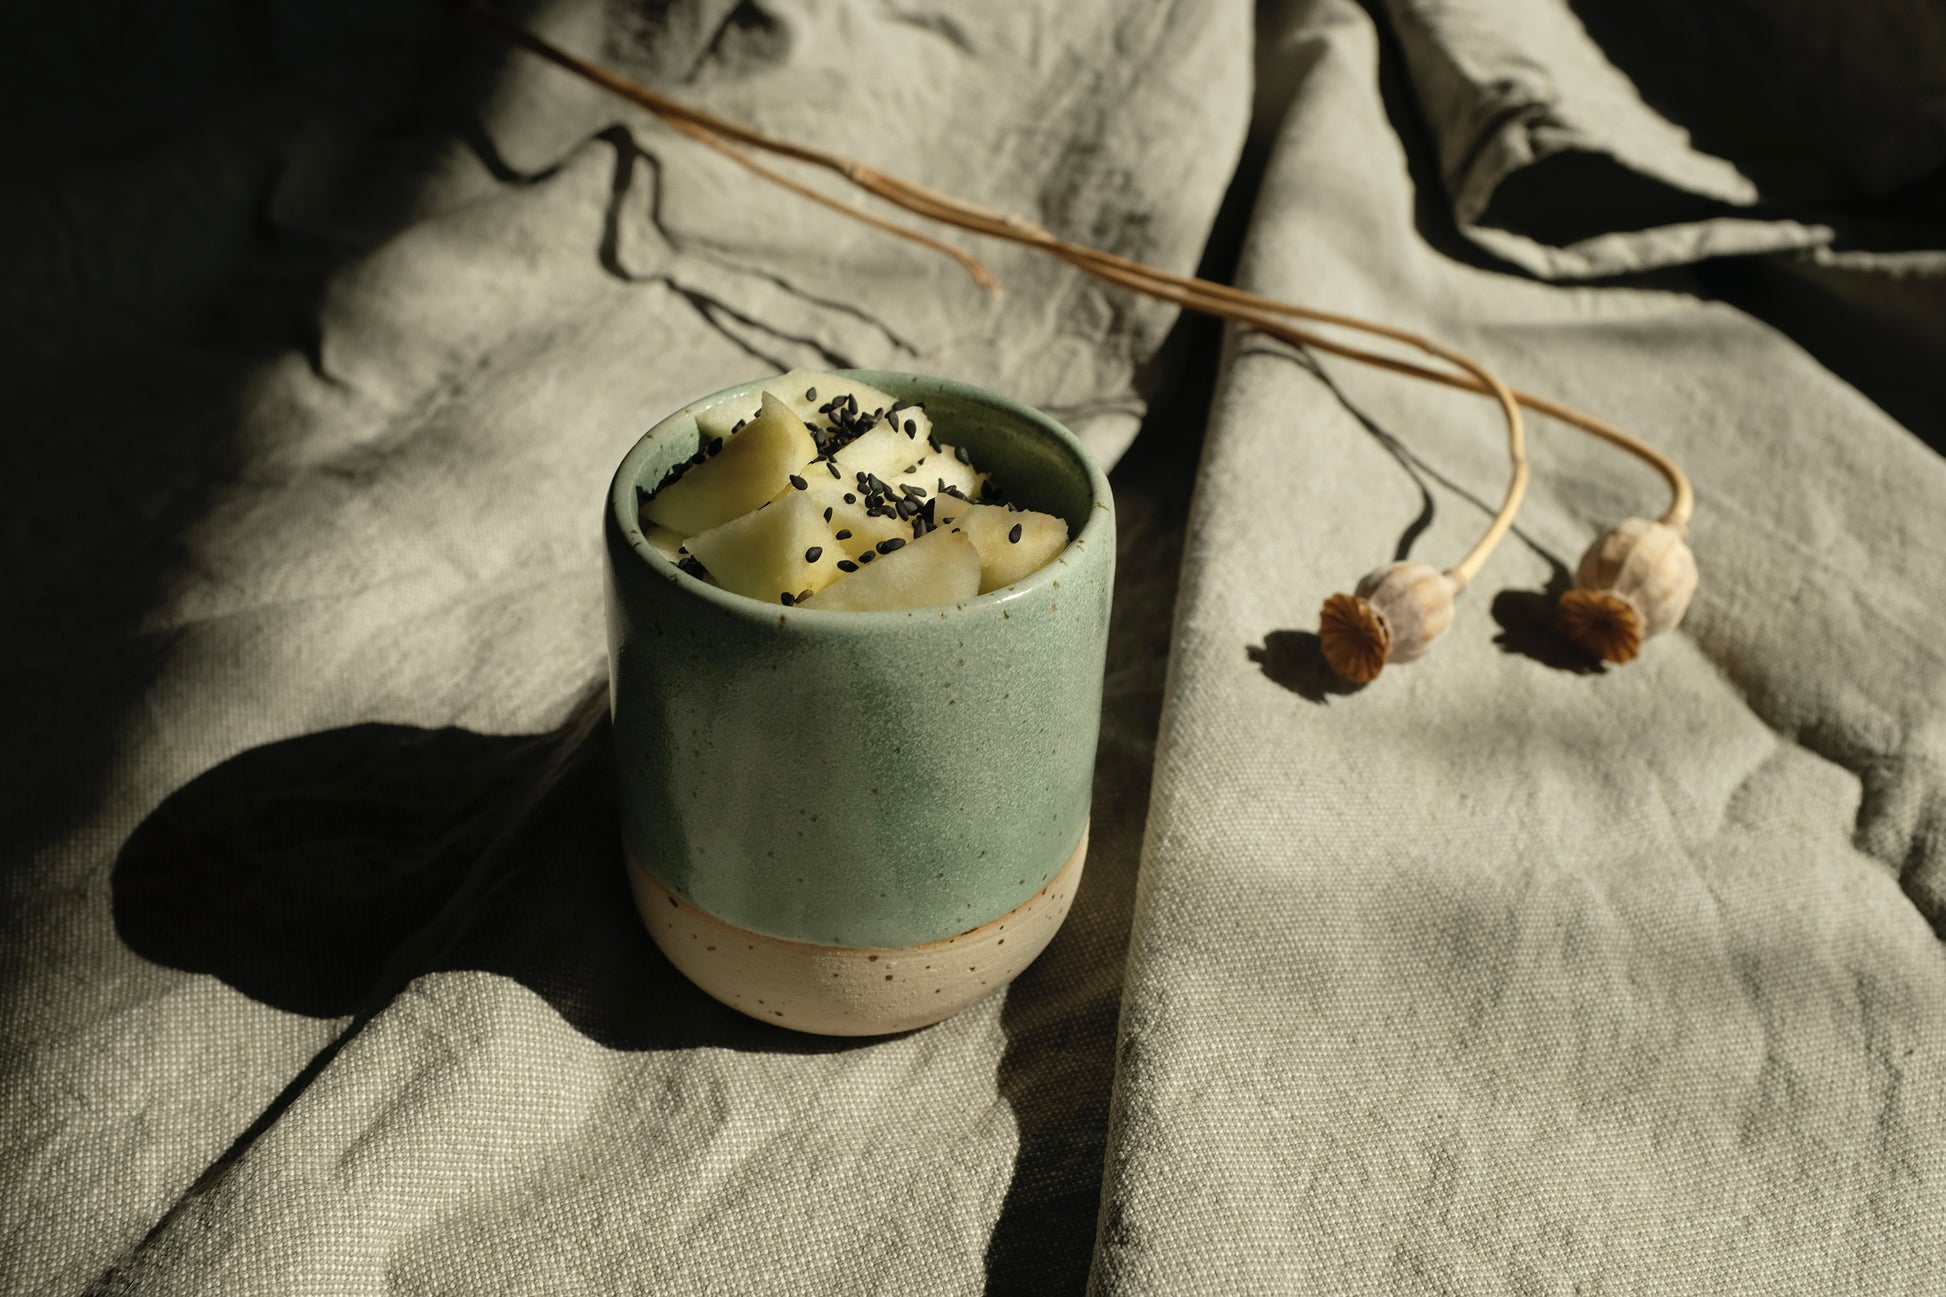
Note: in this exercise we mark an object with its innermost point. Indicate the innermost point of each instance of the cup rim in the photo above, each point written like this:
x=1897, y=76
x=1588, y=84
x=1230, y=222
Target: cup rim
x=622, y=508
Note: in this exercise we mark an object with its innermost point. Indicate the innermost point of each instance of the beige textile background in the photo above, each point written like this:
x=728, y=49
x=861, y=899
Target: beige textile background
x=322, y=329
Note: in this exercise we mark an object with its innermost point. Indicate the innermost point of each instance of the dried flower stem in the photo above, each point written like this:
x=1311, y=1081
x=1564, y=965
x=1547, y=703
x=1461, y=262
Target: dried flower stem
x=1682, y=495
x=1222, y=300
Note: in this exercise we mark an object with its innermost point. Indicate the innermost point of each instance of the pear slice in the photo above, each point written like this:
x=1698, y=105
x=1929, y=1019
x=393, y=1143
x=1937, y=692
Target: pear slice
x=866, y=530
x=665, y=542
x=783, y=548
x=921, y=432
x=748, y=471
x=884, y=450
x=1011, y=543
x=945, y=468
x=794, y=390
x=940, y=567
x=947, y=507
x=725, y=419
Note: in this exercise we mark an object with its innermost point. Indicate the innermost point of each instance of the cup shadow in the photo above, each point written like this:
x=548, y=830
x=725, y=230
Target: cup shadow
x=321, y=874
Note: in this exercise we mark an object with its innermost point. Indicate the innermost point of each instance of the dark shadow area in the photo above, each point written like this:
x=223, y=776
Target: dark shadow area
x=1572, y=196
x=152, y=263
x=1880, y=330
x=1061, y=1015
x=1294, y=660
x=321, y=874
x=1528, y=627
x=1815, y=104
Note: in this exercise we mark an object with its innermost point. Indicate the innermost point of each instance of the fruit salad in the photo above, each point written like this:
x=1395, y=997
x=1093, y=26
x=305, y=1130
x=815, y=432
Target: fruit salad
x=823, y=491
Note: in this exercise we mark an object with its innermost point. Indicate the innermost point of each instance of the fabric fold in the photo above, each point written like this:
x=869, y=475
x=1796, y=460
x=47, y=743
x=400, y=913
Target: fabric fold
x=1581, y=138
x=1508, y=973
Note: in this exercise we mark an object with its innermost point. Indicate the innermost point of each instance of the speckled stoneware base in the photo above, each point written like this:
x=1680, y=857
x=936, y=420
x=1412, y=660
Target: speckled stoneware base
x=852, y=990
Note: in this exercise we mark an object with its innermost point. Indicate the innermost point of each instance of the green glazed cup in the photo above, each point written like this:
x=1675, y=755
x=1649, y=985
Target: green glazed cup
x=854, y=823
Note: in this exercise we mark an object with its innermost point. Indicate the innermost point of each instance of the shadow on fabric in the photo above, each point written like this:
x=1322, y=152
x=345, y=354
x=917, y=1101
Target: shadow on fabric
x=321, y=874
x=1294, y=660
x=1530, y=627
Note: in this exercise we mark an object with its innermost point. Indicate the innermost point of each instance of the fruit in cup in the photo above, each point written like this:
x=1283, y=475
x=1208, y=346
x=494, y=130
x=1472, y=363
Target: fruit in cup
x=832, y=494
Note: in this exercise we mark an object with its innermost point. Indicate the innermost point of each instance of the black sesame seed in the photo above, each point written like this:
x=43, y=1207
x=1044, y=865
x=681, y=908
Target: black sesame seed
x=844, y=533
x=833, y=467
x=827, y=516
x=908, y=507
x=1013, y=537
x=963, y=455
x=694, y=568
x=851, y=404
x=739, y=425
x=850, y=498
x=798, y=482
x=866, y=557
x=715, y=445
x=911, y=428
x=916, y=491
x=887, y=546
x=810, y=393
x=816, y=552
x=846, y=565
x=912, y=468
x=787, y=598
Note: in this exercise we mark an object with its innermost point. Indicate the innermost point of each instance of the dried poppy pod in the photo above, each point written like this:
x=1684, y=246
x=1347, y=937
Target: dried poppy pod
x=1395, y=614
x=1633, y=583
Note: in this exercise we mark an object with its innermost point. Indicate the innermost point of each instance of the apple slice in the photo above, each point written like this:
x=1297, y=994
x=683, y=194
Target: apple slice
x=1011, y=543
x=774, y=553
x=740, y=477
x=940, y=567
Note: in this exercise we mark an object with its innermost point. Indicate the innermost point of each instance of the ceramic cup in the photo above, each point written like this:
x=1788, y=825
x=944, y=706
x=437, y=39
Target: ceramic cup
x=854, y=823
